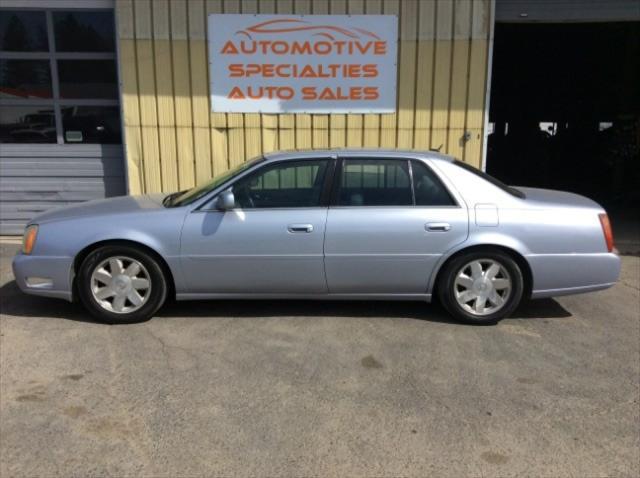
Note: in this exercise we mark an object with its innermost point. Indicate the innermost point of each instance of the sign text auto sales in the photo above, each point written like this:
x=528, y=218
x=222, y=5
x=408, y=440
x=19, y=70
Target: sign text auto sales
x=313, y=64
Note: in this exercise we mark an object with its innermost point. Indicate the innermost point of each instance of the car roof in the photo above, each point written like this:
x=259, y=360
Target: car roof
x=373, y=152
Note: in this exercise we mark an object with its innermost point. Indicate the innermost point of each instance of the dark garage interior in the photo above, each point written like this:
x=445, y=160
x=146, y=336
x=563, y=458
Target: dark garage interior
x=565, y=109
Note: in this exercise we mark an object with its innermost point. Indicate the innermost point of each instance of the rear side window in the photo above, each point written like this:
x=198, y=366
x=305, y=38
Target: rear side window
x=428, y=189
x=375, y=182
x=389, y=182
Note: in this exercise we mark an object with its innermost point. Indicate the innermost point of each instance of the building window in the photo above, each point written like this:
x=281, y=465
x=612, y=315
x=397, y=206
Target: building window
x=26, y=79
x=58, y=77
x=84, y=31
x=23, y=31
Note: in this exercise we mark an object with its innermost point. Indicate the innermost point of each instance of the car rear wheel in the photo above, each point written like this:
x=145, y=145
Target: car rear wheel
x=121, y=284
x=481, y=287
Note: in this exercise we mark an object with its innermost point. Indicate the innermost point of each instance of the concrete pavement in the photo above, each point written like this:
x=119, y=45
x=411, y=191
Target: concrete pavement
x=321, y=389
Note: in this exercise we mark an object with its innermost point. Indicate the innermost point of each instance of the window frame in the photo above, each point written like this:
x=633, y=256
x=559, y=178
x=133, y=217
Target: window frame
x=55, y=102
x=335, y=189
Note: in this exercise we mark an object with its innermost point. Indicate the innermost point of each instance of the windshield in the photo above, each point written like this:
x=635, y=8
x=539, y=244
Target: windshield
x=183, y=198
x=496, y=182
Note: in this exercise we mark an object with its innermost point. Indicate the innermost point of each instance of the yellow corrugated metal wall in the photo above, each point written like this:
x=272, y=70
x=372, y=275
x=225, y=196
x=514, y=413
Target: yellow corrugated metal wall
x=173, y=141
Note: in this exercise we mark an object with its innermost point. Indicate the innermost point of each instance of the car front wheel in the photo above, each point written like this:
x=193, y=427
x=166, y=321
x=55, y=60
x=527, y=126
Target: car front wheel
x=121, y=284
x=481, y=287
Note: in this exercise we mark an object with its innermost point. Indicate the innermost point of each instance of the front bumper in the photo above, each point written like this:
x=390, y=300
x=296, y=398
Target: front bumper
x=43, y=275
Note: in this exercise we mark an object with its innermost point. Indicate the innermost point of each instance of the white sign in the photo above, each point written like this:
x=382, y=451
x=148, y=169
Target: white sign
x=303, y=63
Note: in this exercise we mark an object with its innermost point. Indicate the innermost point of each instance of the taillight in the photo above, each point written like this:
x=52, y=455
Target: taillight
x=606, y=230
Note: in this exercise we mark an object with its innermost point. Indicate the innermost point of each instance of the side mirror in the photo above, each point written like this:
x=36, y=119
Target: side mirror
x=226, y=200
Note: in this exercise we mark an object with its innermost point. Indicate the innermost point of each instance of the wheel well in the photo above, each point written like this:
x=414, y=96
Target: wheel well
x=515, y=255
x=81, y=256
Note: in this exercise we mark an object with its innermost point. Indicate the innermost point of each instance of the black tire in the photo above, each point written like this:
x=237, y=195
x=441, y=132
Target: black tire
x=157, y=291
x=446, y=286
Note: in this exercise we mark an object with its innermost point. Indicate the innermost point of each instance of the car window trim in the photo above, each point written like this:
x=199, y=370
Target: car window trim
x=289, y=208
x=329, y=179
x=413, y=187
x=335, y=183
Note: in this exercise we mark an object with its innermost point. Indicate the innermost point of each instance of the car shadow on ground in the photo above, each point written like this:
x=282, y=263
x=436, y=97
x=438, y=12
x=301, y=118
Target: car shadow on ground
x=15, y=303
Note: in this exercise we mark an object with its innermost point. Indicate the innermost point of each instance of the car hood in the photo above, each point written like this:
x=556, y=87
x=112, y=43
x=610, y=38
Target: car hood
x=102, y=207
x=550, y=197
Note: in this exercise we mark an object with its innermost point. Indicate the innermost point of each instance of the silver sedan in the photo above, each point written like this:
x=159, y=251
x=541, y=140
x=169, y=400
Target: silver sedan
x=363, y=225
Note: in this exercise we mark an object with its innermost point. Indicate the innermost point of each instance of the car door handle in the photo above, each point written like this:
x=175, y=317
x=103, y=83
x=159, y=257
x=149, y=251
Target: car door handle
x=437, y=226
x=300, y=228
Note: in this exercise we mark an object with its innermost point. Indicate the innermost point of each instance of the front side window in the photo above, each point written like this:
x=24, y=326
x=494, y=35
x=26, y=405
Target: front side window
x=283, y=185
x=375, y=182
x=63, y=91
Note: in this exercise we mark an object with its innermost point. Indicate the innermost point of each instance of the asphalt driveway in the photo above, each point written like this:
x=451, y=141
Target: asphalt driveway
x=321, y=389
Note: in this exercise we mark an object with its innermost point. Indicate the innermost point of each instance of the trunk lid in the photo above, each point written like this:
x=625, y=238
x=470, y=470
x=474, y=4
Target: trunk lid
x=552, y=198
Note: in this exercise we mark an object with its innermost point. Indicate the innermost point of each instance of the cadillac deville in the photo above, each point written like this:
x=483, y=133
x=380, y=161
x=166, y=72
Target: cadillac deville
x=337, y=224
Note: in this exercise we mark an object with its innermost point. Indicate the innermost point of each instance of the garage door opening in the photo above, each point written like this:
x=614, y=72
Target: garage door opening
x=565, y=109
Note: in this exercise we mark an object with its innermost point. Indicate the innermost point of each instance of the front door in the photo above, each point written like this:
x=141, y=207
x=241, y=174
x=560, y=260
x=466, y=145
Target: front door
x=389, y=223
x=272, y=242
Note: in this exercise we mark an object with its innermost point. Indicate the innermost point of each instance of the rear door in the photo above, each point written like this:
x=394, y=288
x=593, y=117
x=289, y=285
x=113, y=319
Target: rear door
x=389, y=222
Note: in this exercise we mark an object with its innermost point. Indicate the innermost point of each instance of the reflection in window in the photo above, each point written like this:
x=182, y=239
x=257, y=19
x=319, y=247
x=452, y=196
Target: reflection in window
x=294, y=177
x=23, y=31
x=88, y=79
x=548, y=127
x=373, y=182
x=25, y=79
x=91, y=124
x=84, y=54
x=84, y=31
x=27, y=124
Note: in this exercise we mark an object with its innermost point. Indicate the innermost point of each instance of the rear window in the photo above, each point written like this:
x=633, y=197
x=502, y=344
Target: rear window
x=497, y=183
x=427, y=187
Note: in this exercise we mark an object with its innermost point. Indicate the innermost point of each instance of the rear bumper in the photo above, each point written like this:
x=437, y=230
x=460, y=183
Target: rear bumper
x=44, y=276
x=565, y=274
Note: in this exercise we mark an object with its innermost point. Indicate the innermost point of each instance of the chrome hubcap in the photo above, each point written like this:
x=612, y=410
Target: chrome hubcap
x=482, y=287
x=120, y=284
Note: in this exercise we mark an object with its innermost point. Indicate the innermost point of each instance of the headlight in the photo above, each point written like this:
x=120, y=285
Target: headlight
x=29, y=239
